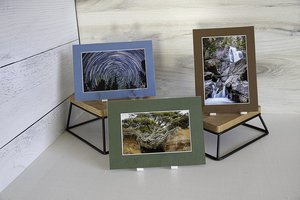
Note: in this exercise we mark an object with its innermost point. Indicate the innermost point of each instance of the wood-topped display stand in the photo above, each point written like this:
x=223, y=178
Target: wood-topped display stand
x=96, y=108
x=218, y=124
x=222, y=123
x=99, y=110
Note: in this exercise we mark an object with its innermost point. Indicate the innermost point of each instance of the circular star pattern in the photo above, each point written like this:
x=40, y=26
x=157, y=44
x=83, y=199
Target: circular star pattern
x=114, y=70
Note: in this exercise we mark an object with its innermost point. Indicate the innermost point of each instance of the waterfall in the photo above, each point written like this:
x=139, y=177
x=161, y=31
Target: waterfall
x=214, y=91
x=224, y=95
x=234, y=55
x=219, y=94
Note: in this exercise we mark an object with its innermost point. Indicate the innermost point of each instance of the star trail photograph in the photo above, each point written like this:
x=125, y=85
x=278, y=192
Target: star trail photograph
x=114, y=70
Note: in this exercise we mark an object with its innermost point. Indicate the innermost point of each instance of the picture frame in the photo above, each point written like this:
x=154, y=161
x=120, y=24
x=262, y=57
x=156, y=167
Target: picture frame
x=225, y=69
x=174, y=136
x=113, y=70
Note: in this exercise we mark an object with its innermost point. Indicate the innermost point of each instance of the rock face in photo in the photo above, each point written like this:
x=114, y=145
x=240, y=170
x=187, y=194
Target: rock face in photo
x=225, y=68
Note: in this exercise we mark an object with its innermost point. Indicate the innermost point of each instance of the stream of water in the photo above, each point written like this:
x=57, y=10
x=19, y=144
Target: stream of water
x=218, y=97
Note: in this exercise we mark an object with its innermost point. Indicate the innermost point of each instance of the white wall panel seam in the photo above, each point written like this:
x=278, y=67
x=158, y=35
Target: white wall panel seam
x=23, y=59
x=35, y=122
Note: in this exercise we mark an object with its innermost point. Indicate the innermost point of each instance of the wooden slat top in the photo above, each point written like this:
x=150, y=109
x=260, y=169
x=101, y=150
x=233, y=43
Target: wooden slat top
x=98, y=108
x=216, y=124
x=223, y=121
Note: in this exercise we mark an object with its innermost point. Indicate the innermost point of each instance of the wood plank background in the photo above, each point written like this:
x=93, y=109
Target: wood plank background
x=32, y=27
x=33, y=87
x=22, y=151
x=36, y=78
x=169, y=24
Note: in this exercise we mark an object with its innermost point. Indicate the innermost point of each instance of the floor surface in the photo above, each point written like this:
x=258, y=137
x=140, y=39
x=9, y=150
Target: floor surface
x=69, y=169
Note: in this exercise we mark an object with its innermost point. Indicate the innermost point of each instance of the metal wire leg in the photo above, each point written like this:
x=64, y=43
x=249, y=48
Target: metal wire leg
x=104, y=137
x=69, y=116
x=102, y=151
x=218, y=157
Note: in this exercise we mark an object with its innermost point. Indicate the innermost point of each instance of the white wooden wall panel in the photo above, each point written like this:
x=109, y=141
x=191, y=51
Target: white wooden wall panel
x=31, y=88
x=33, y=26
x=36, y=75
x=18, y=154
x=169, y=24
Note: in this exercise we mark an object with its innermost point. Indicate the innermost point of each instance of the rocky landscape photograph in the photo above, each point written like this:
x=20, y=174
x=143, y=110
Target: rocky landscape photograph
x=156, y=132
x=225, y=68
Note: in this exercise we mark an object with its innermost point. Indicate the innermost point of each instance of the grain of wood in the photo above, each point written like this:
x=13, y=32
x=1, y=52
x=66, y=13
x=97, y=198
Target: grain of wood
x=276, y=30
x=98, y=108
x=35, y=77
x=22, y=151
x=224, y=121
x=31, y=88
x=31, y=27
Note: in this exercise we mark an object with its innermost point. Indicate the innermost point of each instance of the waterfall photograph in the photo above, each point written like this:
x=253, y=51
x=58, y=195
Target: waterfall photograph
x=114, y=70
x=155, y=132
x=225, y=68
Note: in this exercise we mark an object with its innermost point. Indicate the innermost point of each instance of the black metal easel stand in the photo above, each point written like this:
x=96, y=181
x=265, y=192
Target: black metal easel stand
x=244, y=123
x=102, y=151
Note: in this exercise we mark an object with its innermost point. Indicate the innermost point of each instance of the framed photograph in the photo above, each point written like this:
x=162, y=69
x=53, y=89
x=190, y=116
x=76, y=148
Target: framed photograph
x=113, y=70
x=155, y=132
x=225, y=69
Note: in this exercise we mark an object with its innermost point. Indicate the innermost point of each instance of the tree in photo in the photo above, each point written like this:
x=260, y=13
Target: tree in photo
x=115, y=84
x=151, y=130
x=108, y=85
